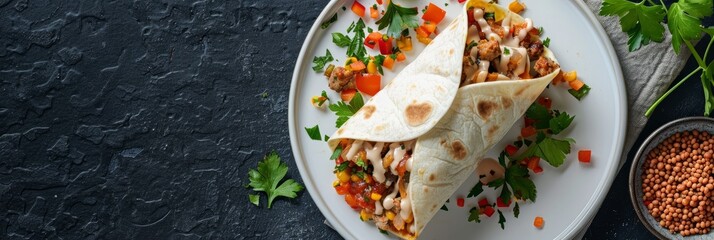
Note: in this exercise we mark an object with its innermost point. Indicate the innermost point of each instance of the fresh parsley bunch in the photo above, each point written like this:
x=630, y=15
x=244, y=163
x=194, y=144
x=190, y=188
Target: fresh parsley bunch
x=643, y=24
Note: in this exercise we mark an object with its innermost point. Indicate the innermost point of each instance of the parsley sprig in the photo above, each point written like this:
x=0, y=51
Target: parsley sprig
x=547, y=147
x=398, y=18
x=266, y=177
x=345, y=110
x=643, y=23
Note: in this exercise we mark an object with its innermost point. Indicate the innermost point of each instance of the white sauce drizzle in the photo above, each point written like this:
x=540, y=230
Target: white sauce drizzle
x=505, y=58
x=374, y=156
x=485, y=28
x=409, y=164
x=377, y=207
x=389, y=199
x=356, y=145
x=412, y=228
x=482, y=71
x=406, y=207
x=398, y=155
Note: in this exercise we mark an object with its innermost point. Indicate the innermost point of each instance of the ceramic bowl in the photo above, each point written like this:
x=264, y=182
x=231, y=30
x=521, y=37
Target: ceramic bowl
x=635, y=181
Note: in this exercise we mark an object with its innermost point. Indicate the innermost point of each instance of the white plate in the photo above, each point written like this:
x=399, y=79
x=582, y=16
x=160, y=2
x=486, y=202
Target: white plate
x=568, y=197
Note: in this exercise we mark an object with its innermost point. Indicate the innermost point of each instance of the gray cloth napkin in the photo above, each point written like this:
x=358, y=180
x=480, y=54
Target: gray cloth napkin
x=648, y=72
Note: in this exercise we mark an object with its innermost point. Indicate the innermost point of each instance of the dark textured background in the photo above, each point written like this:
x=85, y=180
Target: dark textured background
x=140, y=120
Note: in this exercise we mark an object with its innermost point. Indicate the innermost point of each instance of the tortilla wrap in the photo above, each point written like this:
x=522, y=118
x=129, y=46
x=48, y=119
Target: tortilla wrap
x=453, y=127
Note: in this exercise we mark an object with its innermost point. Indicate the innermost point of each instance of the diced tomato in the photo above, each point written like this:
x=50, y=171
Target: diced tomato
x=388, y=62
x=379, y=2
x=462, y=1
x=358, y=8
x=339, y=160
x=546, y=102
x=369, y=84
x=352, y=201
x=401, y=57
x=533, y=163
x=428, y=27
x=402, y=166
x=528, y=131
x=584, y=155
x=369, y=42
x=460, y=202
x=421, y=32
x=501, y=204
x=511, y=150
x=342, y=189
x=347, y=94
x=529, y=122
x=470, y=13
x=357, y=66
x=488, y=210
x=483, y=202
x=538, y=169
x=538, y=222
x=357, y=187
x=385, y=45
x=433, y=14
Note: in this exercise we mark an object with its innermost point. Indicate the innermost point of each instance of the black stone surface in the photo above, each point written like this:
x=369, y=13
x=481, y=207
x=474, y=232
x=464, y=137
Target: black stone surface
x=140, y=120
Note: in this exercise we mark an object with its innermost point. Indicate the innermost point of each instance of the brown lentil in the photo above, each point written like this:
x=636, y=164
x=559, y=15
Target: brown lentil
x=678, y=184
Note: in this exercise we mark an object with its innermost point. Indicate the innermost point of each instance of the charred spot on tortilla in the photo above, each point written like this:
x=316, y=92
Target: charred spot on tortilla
x=458, y=150
x=521, y=90
x=491, y=131
x=432, y=177
x=417, y=114
x=339, y=131
x=485, y=108
x=379, y=127
x=368, y=110
x=451, y=52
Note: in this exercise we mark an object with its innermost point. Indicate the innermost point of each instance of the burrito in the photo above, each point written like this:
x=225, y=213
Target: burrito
x=408, y=149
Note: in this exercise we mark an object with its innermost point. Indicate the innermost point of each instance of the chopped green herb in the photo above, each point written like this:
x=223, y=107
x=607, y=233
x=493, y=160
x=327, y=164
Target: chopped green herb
x=516, y=210
x=344, y=8
x=582, y=92
x=540, y=31
x=314, y=132
x=384, y=232
x=446, y=4
x=322, y=101
x=560, y=122
x=506, y=51
x=551, y=150
x=397, y=18
x=340, y=39
x=327, y=138
x=336, y=153
x=360, y=163
x=472, y=44
x=474, y=215
x=320, y=61
x=268, y=175
x=345, y=111
x=489, y=15
x=254, y=199
x=327, y=22
x=360, y=174
x=641, y=22
x=342, y=166
x=501, y=219
x=546, y=43
x=476, y=190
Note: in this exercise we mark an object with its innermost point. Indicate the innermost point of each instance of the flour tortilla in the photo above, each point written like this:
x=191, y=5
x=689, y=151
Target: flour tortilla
x=454, y=127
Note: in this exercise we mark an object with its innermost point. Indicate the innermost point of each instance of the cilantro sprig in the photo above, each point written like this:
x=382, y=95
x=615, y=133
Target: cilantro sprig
x=643, y=23
x=318, y=62
x=266, y=178
x=398, y=18
x=345, y=110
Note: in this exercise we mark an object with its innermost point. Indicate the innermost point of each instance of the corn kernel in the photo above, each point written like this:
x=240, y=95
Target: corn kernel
x=390, y=215
x=336, y=183
x=350, y=60
x=355, y=178
x=410, y=218
x=375, y=196
x=516, y=6
x=570, y=76
x=368, y=178
x=343, y=176
x=364, y=215
x=361, y=155
x=372, y=67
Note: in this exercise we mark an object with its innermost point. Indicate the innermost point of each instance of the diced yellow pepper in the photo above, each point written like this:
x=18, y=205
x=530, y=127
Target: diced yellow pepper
x=516, y=6
x=404, y=43
x=570, y=76
x=355, y=178
x=410, y=218
x=364, y=215
x=336, y=183
x=390, y=215
x=343, y=176
x=350, y=60
x=375, y=196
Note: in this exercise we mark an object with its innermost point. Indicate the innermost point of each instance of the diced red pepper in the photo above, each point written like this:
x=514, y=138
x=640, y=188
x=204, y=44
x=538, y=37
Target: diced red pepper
x=529, y=122
x=379, y=2
x=347, y=94
x=483, y=202
x=538, y=222
x=369, y=84
x=584, y=155
x=501, y=204
x=428, y=27
x=358, y=8
x=533, y=163
x=433, y=13
x=545, y=102
x=470, y=13
x=352, y=201
x=385, y=45
x=339, y=160
x=528, y=131
x=357, y=66
x=402, y=166
x=373, y=12
x=342, y=189
x=488, y=210
x=372, y=39
x=401, y=57
x=460, y=202
x=421, y=32
x=462, y=1
x=511, y=150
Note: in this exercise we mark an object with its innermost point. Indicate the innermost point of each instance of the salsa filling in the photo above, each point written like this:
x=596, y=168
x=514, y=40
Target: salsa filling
x=373, y=177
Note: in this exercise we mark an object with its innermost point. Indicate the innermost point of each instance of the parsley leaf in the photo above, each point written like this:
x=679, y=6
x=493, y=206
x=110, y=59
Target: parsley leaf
x=345, y=111
x=314, y=133
x=501, y=219
x=546, y=43
x=684, y=20
x=582, y=92
x=356, y=46
x=641, y=22
x=327, y=138
x=560, y=122
x=340, y=39
x=384, y=232
x=516, y=210
x=518, y=179
x=476, y=190
x=540, y=114
x=506, y=51
x=549, y=149
x=254, y=199
x=506, y=193
x=320, y=61
x=397, y=18
x=443, y=207
x=327, y=22
x=269, y=173
x=336, y=153
x=474, y=215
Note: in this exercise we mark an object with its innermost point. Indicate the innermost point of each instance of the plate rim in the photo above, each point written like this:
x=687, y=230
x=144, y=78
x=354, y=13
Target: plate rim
x=586, y=215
